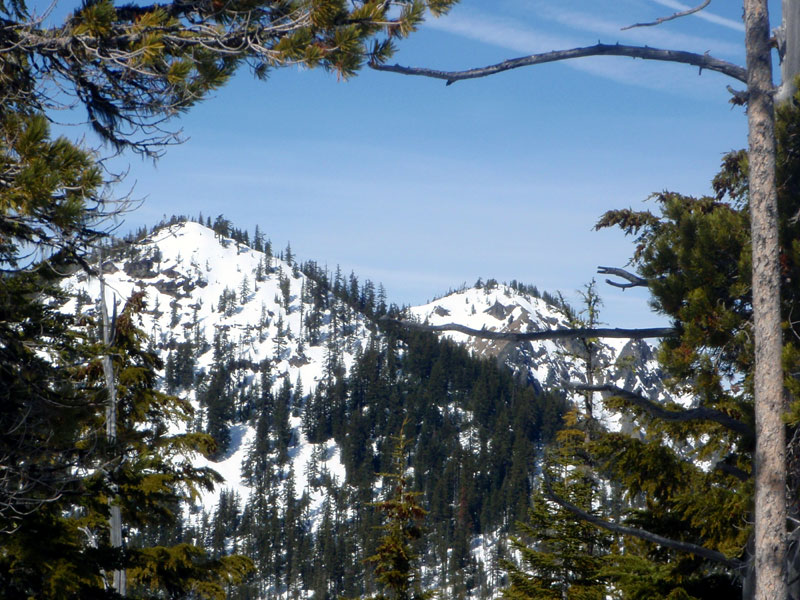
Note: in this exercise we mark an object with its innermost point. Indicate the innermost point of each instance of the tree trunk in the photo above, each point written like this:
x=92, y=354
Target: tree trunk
x=770, y=458
x=115, y=519
x=789, y=42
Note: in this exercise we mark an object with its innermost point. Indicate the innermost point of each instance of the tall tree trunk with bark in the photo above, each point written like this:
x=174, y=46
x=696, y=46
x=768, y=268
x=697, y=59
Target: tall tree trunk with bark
x=770, y=459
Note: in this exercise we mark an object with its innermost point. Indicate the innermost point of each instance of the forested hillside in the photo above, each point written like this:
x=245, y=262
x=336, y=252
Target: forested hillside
x=302, y=379
x=302, y=388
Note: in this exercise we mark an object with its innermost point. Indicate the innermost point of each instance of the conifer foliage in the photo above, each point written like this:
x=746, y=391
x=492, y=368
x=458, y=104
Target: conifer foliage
x=395, y=559
x=560, y=554
x=686, y=469
x=42, y=208
x=132, y=66
x=61, y=549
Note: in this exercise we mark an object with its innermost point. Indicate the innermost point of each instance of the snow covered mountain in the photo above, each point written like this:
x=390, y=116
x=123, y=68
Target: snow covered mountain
x=201, y=285
x=291, y=373
x=546, y=364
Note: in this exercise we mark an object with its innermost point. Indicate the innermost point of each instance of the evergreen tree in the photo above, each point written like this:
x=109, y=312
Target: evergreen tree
x=144, y=470
x=244, y=290
x=285, y=286
x=688, y=476
x=216, y=394
x=258, y=242
x=395, y=558
x=560, y=555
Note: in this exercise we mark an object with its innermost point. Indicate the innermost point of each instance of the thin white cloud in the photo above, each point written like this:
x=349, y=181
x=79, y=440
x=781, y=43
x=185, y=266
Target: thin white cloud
x=703, y=14
x=501, y=32
x=652, y=36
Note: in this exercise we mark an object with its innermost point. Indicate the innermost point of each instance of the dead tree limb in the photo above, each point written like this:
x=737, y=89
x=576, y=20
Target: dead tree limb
x=703, y=61
x=643, y=534
x=115, y=511
x=659, y=412
x=672, y=17
x=551, y=334
x=633, y=279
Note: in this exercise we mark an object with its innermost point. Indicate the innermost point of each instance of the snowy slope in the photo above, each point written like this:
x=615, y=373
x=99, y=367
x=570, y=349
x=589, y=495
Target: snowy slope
x=547, y=364
x=201, y=287
x=185, y=269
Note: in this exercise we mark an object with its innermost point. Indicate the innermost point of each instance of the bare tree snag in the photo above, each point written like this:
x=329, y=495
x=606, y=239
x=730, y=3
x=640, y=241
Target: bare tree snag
x=115, y=518
x=770, y=456
x=703, y=61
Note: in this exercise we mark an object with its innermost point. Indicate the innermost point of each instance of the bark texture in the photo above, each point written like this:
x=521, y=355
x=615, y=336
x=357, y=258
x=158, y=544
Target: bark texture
x=770, y=459
x=119, y=578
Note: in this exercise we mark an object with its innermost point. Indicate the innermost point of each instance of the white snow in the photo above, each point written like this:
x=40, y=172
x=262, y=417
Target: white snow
x=192, y=268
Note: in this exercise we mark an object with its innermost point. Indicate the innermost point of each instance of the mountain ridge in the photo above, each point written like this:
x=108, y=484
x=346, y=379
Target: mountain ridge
x=290, y=371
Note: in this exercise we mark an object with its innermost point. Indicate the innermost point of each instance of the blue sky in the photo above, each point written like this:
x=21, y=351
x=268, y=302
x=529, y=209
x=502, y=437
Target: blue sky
x=424, y=186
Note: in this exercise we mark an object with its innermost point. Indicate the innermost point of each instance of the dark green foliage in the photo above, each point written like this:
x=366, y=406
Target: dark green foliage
x=183, y=571
x=395, y=561
x=468, y=489
x=472, y=483
x=44, y=409
x=686, y=479
x=133, y=66
x=561, y=556
x=60, y=550
x=284, y=284
x=227, y=302
x=216, y=393
x=180, y=366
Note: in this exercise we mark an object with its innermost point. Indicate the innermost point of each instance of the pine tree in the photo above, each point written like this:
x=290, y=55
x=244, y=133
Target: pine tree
x=45, y=405
x=258, y=242
x=395, y=558
x=560, y=554
x=244, y=290
x=143, y=469
x=285, y=286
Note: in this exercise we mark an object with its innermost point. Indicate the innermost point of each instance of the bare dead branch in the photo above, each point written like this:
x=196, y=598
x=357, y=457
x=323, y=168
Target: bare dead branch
x=704, y=61
x=551, y=334
x=659, y=412
x=739, y=97
x=677, y=15
x=633, y=279
x=643, y=534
